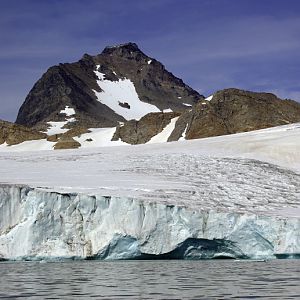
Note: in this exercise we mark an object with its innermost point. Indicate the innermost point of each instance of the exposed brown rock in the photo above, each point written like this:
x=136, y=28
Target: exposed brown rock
x=14, y=134
x=66, y=143
x=54, y=137
x=200, y=121
x=140, y=132
x=233, y=111
x=244, y=111
x=76, y=131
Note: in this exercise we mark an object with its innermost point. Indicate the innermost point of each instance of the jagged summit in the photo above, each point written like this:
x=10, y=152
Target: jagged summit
x=123, y=48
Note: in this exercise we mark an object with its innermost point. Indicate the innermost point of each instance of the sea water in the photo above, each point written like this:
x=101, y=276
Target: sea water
x=175, y=279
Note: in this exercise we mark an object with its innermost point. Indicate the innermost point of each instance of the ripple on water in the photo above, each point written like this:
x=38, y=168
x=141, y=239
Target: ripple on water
x=278, y=279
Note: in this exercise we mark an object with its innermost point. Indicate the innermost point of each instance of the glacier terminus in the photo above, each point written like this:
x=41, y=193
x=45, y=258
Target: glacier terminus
x=234, y=196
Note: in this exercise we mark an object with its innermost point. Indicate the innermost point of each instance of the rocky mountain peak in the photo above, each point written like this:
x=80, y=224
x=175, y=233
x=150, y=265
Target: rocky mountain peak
x=124, y=50
x=104, y=90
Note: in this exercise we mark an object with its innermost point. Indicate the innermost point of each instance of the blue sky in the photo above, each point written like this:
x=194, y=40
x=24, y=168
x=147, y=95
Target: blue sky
x=210, y=44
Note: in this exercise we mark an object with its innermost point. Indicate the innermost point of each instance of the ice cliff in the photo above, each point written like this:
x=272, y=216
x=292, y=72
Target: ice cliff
x=36, y=224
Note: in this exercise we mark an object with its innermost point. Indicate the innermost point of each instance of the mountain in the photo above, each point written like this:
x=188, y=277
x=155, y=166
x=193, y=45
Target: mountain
x=122, y=96
x=120, y=84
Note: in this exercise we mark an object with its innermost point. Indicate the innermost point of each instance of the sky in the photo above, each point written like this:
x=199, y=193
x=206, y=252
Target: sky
x=210, y=44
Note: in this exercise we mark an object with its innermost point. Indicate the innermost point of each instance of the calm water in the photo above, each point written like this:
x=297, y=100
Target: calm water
x=278, y=279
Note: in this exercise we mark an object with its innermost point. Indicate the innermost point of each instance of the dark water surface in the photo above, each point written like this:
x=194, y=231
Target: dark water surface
x=219, y=279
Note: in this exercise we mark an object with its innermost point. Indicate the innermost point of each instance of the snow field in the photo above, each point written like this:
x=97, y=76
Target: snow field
x=122, y=91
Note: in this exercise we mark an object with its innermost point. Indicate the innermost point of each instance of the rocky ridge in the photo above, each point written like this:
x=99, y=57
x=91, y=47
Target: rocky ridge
x=228, y=111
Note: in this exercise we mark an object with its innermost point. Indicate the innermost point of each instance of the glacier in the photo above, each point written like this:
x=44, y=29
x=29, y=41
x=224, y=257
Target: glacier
x=234, y=197
x=37, y=224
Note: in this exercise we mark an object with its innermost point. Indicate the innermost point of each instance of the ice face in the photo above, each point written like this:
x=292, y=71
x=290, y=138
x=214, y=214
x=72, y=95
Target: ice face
x=38, y=224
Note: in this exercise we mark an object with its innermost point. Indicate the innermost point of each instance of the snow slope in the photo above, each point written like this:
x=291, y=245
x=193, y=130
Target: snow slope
x=279, y=145
x=163, y=136
x=193, y=172
x=119, y=92
x=98, y=137
x=36, y=145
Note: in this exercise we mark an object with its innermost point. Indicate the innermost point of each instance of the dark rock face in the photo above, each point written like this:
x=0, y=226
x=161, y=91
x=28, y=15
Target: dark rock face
x=72, y=85
x=66, y=85
x=140, y=132
x=14, y=134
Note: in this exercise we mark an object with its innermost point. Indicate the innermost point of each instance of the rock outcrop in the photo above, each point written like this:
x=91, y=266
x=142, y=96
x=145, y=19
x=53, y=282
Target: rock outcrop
x=140, y=132
x=232, y=111
x=14, y=134
x=66, y=143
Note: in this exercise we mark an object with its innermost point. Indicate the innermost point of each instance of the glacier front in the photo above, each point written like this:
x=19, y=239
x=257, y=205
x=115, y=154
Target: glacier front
x=36, y=224
x=185, y=200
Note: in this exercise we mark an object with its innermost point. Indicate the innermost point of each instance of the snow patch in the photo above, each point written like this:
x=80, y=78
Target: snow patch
x=68, y=111
x=122, y=91
x=167, y=110
x=163, y=136
x=34, y=145
x=57, y=127
x=149, y=61
x=98, y=137
x=182, y=138
x=187, y=104
x=209, y=98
